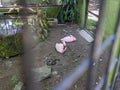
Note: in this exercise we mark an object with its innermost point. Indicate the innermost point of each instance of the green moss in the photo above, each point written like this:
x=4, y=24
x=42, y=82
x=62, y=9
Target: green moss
x=52, y=12
x=11, y=45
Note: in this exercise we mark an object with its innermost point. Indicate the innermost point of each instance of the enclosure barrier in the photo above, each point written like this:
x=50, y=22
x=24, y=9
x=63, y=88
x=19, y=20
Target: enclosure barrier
x=108, y=80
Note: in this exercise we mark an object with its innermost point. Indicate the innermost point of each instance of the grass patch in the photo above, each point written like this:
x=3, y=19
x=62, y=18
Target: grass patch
x=91, y=24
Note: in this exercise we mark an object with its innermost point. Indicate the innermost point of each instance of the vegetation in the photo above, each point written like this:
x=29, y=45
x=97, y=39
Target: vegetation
x=55, y=11
x=14, y=79
x=91, y=24
x=10, y=45
x=37, y=1
x=41, y=25
x=68, y=11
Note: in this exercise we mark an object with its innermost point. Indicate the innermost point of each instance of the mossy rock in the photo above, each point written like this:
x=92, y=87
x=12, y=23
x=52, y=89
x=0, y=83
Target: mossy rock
x=10, y=45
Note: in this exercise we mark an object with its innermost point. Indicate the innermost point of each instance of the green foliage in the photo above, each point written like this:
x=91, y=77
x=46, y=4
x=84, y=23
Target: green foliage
x=52, y=12
x=41, y=25
x=91, y=24
x=10, y=45
x=68, y=11
x=13, y=10
x=37, y=1
x=14, y=79
x=33, y=1
x=17, y=22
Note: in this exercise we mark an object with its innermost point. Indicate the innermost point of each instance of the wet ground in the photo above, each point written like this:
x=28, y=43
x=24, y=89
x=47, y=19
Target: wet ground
x=45, y=51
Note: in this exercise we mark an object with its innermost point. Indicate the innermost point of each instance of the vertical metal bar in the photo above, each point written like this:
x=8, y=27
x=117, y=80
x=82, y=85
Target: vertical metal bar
x=104, y=45
x=92, y=75
x=116, y=73
x=86, y=13
x=117, y=82
x=28, y=58
x=81, y=12
x=97, y=43
x=118, y=64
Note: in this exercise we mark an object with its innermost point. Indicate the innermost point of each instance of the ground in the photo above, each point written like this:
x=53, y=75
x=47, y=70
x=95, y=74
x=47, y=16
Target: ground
x=45, y=50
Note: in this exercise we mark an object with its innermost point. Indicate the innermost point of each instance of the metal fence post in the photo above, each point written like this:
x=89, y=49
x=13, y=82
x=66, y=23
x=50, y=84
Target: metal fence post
x=105, y=28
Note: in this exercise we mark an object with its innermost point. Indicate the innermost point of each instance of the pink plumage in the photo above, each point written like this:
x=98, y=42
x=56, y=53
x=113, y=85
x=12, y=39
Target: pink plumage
x=69, y=38
x=61, y=47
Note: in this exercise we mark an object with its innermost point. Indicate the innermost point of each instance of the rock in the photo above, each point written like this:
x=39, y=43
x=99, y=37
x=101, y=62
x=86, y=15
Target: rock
x=41, y=73
x=19, y=86
x=99, y=77
x=94, y=64
x=96, y=83
x=52, y=21
x=1, y=59
x=54, y=72
x=65, y=31
x=101, y=59
x=86, y=36
x=50, y=62
x=9, y=64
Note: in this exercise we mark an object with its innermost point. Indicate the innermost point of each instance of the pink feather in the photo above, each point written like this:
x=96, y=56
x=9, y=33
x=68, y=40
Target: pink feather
x=61, y=47
x=69, y=38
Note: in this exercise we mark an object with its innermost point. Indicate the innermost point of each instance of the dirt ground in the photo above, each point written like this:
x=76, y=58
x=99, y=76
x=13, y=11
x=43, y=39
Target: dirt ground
x=75, y=53
x=73, y=56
